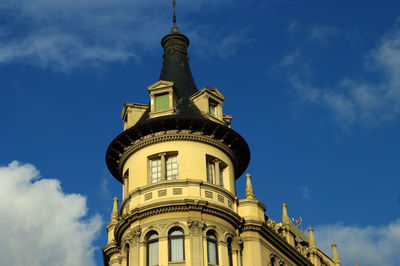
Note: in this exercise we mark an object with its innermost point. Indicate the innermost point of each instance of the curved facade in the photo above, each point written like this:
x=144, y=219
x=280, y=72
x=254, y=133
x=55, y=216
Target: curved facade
x=178, y=160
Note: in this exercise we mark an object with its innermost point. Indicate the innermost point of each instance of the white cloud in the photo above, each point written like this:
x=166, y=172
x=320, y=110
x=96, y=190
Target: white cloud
x=364, y=101
x=65, y=34
x=321, y=33
x=304, y=192
x=40, y=224
x=367, y=246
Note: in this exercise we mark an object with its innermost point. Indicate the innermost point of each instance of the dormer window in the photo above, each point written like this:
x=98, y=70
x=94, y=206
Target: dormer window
x=162, y=98
x=162, y=102
x=212, y=107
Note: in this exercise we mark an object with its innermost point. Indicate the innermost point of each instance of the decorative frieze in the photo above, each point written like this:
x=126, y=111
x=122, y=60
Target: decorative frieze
x=177, y=191
x=209, y=194
x=148, y=196
x=221, y=199
x=162, y=192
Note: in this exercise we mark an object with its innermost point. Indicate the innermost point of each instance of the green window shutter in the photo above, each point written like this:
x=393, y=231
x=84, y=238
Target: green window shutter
x=162, y=102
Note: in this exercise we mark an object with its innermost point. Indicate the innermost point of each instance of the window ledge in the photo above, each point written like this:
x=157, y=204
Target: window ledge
x=176, y=263
x=161, y=113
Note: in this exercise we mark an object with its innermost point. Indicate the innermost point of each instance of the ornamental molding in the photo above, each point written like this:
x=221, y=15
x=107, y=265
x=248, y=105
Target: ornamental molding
x=283, y=246
x=196, y=226
x=133, y=236
x=185, y=205
x=177, y=183
x=111, y=249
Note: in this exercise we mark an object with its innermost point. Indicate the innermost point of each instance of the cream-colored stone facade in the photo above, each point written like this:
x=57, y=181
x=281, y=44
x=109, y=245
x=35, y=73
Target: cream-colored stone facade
x=179, y=203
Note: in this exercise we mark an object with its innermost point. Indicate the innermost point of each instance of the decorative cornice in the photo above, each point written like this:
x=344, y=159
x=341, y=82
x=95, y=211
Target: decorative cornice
x=271, y=236
x=177, y=128
x=185, y=205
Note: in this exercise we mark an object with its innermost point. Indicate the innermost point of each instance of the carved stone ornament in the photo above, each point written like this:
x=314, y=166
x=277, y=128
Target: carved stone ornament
x=196, y=227
x=304, y=250
x=134, y=235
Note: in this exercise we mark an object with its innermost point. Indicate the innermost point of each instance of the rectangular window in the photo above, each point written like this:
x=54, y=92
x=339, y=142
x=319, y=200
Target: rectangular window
x=172, y=167
x=162, y=102
x=210, y=172
x=155, y=170
x=212, y=108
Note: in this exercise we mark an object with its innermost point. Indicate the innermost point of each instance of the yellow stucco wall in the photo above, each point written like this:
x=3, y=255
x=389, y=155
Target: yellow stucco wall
x=191, y=163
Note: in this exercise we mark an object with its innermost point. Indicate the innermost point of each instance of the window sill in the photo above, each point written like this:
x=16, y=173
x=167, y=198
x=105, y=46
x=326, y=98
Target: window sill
x=176, y=263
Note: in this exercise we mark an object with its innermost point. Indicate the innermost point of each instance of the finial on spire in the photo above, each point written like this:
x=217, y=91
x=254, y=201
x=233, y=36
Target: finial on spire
x=335, y=255
x=285, y=216
x=173, y=17
x=114, y=213
x=312, y=244
x=249, y=191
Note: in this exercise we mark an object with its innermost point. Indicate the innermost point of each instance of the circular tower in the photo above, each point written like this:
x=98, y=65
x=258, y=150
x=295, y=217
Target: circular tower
x=177, y=160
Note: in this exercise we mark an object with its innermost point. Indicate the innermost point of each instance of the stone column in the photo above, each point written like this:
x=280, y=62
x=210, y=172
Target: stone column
x=196, y=242
x=134, y=246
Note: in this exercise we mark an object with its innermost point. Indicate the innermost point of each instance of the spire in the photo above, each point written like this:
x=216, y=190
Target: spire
x=335, y=255
x=312, y=244
x=114, y=213
x=173, y=17
x=175, y=65
x=285, y=216
x=249, y=191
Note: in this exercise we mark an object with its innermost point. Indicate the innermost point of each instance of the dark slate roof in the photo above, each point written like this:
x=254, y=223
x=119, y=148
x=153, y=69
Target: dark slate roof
x=175, y=68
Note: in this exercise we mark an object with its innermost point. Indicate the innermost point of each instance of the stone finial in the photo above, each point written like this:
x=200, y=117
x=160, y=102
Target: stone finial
x=114, y=213
x=312, y=244
x=335, y=255
x=285, y=216
x=249, y=191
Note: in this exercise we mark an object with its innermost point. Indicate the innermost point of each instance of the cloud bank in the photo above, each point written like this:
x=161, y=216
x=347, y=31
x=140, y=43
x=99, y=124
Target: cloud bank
x=66, y=34
x=367, y=101
x=40, y=224
x=367, y=246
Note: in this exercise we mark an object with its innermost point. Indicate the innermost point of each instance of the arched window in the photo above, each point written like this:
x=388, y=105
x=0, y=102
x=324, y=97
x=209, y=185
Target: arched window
x=272, y=261
x=212, y=249
x=176, y=244
x=230, y=251
x=152, y=248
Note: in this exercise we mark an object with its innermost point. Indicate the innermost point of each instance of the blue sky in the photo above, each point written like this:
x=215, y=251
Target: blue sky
x=314, y=88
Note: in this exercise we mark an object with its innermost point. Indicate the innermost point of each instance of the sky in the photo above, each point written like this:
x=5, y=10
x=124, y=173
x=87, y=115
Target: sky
x=313, y=87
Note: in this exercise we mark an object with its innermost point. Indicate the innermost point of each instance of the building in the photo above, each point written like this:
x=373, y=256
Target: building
x=178, y=160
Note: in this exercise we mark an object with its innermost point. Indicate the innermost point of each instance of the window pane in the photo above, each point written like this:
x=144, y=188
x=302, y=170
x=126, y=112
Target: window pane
x=155, y=170
x=153, y=253
x=162, y=102
x=221, y=176
x=210, y=172
x=172, y=167
x=211, y=252
x=212, y=108
x=176, y=249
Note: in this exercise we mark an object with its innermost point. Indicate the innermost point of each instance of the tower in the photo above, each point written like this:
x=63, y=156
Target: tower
x=178, y=160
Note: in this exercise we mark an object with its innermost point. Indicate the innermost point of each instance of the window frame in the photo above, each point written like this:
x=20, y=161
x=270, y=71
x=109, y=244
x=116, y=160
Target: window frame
x=165, y=96
x=219, y=178
x=163, y=166
x=171, y=237
x=213, y=240
x=151, y=241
